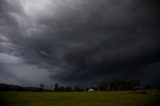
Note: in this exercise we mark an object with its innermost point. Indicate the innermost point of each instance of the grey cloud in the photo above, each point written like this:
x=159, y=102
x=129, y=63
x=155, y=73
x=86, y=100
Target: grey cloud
x=85, y=41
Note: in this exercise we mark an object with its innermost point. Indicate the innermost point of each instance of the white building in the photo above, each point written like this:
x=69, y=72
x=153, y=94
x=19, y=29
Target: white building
x=91, y=90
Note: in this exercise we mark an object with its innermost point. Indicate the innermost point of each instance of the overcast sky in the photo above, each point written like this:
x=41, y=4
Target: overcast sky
x=79, y=42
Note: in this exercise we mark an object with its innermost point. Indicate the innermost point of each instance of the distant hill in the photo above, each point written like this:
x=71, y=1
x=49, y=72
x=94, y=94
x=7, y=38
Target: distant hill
x=9, y=87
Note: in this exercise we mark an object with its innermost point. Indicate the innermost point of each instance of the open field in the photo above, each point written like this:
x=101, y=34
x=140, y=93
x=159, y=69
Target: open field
x=108, y=98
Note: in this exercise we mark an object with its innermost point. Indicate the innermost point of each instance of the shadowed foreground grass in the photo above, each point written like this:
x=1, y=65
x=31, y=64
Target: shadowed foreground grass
x=109, y=98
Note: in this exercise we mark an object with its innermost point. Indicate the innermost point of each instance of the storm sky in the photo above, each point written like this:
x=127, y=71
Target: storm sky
x=79, y=42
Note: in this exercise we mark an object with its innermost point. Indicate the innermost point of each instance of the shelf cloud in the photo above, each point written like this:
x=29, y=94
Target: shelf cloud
x=80, y=41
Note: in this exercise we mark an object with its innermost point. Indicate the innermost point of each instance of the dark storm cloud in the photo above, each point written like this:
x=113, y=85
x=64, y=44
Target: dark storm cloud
x=85, y=41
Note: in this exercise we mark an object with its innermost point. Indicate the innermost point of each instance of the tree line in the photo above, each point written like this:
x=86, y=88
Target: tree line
x=114, y=85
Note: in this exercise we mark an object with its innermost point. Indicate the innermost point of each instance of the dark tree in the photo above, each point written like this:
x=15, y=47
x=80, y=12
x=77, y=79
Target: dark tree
x=103, y=87
x=56, y=87
x=77, y=88
x=135, y=84
x=124, y=84
x=42, y=86
x=68, y=89
x=148, y=87
x=61, y=88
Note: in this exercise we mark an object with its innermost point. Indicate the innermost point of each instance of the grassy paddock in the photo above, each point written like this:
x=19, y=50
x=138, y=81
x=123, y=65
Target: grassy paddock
x=108, y=98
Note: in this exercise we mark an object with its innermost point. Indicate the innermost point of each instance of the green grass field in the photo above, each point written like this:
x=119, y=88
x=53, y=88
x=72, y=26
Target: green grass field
x=108, y=98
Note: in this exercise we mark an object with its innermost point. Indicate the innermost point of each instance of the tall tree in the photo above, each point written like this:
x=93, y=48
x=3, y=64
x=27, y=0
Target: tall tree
x=103, y=86
x=42, y=86
x=68, y=89
x=124, y=84
x=61, y=88
x=56, y=87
